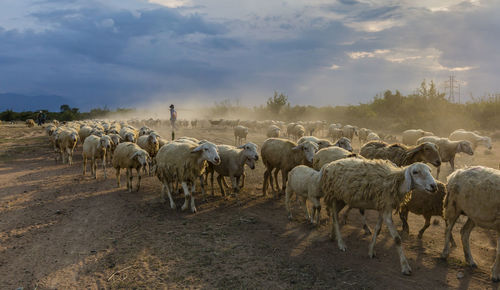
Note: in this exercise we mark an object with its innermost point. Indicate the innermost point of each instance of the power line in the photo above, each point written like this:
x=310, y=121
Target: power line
x=450, y=86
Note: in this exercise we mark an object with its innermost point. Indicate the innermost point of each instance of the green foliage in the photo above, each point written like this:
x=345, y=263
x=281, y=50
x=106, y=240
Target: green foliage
x=277, y=102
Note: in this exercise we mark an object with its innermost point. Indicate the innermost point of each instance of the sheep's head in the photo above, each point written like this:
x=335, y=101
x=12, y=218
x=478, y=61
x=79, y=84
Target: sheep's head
x=74, y=136
x=208, y=152
x=141, y=156
x=308, y=148
x=486, y=142
x=153, y=140
x=426, y=152
x=324, y=144
x=130, y=137
x=344, y=143
x=105, y=142
x=251, y=154
x=418, y=176
x=465, y=146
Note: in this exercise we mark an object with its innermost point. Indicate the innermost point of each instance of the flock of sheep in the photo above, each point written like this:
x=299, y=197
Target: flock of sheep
x=383, y=177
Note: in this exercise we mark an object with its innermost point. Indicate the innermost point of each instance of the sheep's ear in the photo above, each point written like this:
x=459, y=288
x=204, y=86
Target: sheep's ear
x=298, y=147
x=197, y=149
x=241, y=146
x=460, y=147
x=136, y=153
x=407, y=182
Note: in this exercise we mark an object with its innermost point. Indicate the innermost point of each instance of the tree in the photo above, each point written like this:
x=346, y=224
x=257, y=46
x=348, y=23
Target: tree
x=64, y=108
x=277, y=102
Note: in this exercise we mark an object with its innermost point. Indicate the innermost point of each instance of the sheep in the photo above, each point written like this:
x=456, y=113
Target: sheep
x=66, y=142
x=400, y=154
x=145, y=130
x=30, y=123
x=240, y=133
x=289, y=129
x=327, y=155
x=322, y=143
x=447, y=149
x=50, y=129
x=334, y=132
x=344, y=143
x=372, y=136
x=474, y=192
x=151, y=145
x=372, y=184
x=95, y=148
x=363, y=134
x=472, y=137
x=423, y=203
x=233, y=160
x=183, y=162
x=128, y=134
x=129, y=155
x=410, y=137
x=296, y=131
x=282, y=154
x=305, y=183
x=84, y=132
x=273, y=131
x=349, y=131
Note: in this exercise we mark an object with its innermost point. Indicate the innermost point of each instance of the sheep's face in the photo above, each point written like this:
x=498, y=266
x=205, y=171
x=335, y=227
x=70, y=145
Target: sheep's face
x=418, y=176
x=250, y=151
x=153, y=140
x=466, y=147
x=324, y=144
x=486, y=142
x=308, y=148
x=129, y=137
x=105, y=142
x=344, y=143
x=141, y=157
x=208, y=152
x=430, y=153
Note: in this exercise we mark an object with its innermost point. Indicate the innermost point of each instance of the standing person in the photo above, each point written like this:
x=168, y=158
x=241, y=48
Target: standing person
x=39, y=118
x=173, y=118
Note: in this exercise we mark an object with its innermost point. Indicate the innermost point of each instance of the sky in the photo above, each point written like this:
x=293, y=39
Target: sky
x=137, y=53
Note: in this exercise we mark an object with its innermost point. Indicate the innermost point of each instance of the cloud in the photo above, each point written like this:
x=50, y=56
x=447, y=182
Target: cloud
x=368, y=54
x=334, y=67
x=171, y=3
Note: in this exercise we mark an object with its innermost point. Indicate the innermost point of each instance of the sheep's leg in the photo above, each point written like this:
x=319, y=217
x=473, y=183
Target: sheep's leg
x=345, y=214
x=306, y=209
x=84, y=164
x=243, y=176
x=104, y=167
x=403, y=215
x=219, y=181
x=405, y=266
x=335, y=225
x=267, y=174
x=316, y=209
x=70, y=156
x=202, y=186
x=452, y=163
x=450, y=222
x=495, y=272
x=426, y=225
x=193, y=207
x=465, y=232
x=438, y=171
x=118, y=176
x=94, y=167
x=284, y=179
x=235, y=181
x=224, y=182
x=376, y=232
x=276, y=171
x=138, y=169
x=288, y=194
x=186, y=196
x=211, y=181
x=366, y=228
x=127, y=171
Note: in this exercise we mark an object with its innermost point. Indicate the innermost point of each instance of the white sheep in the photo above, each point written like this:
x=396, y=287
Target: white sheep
x=283, y=155
x=363, y=134
x=349, y=131
x=334, y=132
x=344, y=143
x=372, y=136
x=232, y=165
x=327, y=155
x=95, y=148
x=273, y=131
x=322, y=143
x=240, y=133
x=129, y=156
x=128, y=134
x=411, y=136
x=474, y=192
x=372, y=184
x=84, y=132
x=66, y=142
x=472, y=137
x=448, y=149
x=30, y=123
x=183, y=162
x=305, y=183
x=151, y=145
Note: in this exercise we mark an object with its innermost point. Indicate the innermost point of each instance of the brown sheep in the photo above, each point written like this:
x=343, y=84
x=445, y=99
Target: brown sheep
x=402, y=155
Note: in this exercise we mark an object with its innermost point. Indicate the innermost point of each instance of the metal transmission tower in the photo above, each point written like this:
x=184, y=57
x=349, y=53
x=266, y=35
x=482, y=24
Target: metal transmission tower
x=450, y=86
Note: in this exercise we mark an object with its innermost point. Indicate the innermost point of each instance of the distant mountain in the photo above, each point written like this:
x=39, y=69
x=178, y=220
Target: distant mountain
x=19, y=102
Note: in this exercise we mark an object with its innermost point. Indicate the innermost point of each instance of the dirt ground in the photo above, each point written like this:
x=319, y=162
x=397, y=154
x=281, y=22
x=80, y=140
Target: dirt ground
x=60, y=229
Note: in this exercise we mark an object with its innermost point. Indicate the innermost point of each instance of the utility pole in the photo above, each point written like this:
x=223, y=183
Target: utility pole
x=451, y=85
